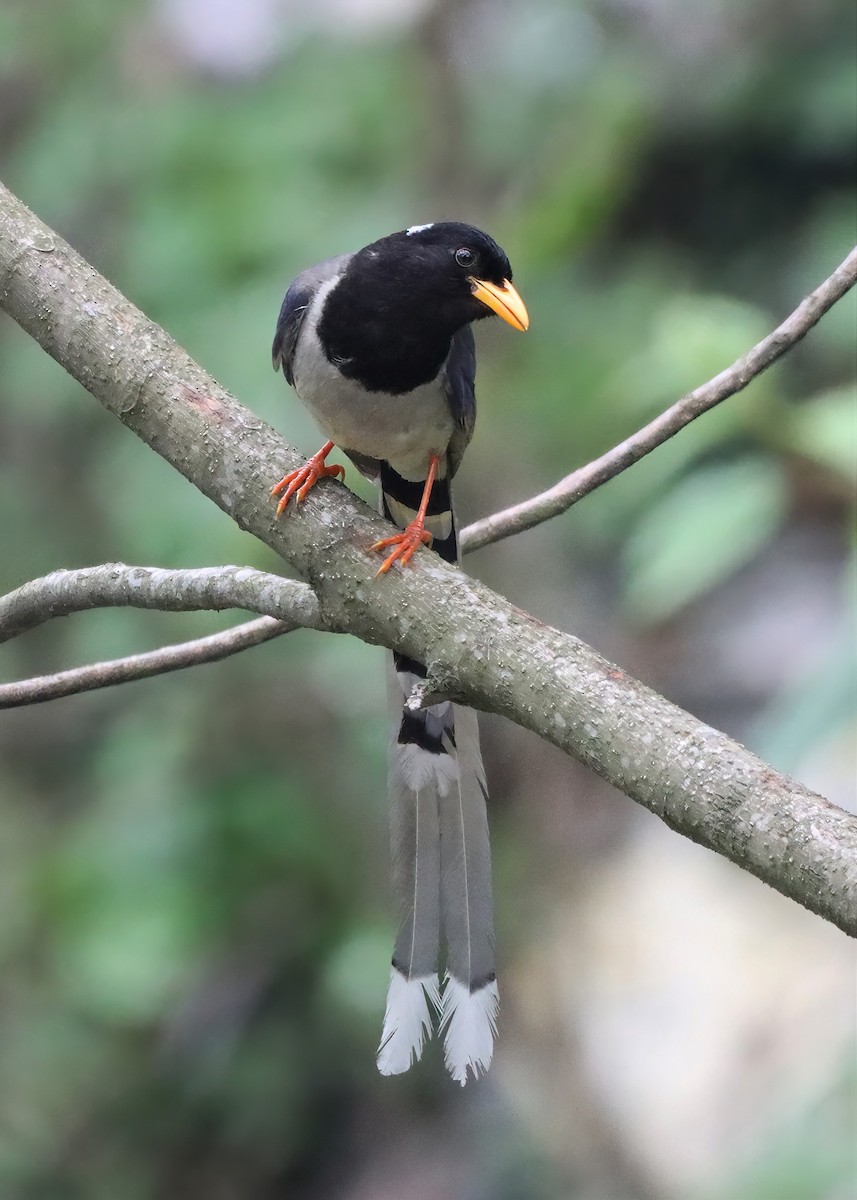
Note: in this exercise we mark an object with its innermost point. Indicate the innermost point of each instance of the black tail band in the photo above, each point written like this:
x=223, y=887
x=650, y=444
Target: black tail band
x=410, y=491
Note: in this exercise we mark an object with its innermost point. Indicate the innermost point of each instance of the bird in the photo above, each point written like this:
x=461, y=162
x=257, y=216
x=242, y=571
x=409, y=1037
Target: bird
x=379, y=348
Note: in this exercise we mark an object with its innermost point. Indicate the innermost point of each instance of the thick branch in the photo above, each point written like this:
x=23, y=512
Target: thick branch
x=734, y=379
x=142, y=666
x=480, y=648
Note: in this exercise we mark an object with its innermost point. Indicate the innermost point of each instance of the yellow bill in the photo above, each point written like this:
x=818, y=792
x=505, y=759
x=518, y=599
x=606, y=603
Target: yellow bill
x=502, y=299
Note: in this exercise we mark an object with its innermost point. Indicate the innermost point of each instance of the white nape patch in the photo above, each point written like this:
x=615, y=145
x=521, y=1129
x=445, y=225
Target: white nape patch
x=470, y=1021
x=407, y=1021
x=420, y=768
x=418, y=228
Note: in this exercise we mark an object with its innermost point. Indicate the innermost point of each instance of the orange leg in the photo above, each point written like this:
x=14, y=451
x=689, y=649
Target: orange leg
x=415, y=535
x=305, y=477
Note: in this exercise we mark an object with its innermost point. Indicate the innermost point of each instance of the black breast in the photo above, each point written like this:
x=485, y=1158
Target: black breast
x=381, y=334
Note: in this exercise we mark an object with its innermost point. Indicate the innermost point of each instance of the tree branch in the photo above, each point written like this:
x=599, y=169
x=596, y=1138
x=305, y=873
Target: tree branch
x=142, y=666
x=114, y=585
x=734, y=379
x=480, y=649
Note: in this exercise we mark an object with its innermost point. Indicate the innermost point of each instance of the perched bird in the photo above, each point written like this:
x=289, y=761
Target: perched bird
x=378, y=346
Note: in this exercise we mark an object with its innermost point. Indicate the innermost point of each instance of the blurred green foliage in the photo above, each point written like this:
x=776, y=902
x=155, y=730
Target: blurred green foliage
x=193, y=926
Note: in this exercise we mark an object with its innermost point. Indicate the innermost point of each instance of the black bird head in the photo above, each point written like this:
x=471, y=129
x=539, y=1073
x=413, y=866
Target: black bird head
x=390, y=320
x=457, y=273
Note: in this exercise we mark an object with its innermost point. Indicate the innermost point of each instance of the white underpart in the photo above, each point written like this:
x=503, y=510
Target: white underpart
x=418, y=228
x=407, y=1021
x=468, y=1021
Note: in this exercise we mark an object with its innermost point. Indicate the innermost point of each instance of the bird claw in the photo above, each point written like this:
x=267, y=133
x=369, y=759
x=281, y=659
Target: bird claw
x=406, y=544
x=298, y=482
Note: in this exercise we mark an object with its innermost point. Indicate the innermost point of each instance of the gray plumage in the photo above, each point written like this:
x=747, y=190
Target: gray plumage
x=415, y=852
x=293, y=310
x=467, y=914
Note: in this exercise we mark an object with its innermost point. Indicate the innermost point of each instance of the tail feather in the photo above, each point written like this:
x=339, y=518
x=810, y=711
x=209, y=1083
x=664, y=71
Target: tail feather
x=469, y=1023
x=416, y=869
x=407, y=1021
x=470, y=998
x=415, y=845
x=441, y=855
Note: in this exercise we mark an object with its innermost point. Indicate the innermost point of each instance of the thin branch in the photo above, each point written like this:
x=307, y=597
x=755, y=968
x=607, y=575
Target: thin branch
x=734, y=379
x=288, y=604
x=142, y=666
x=115, y=585
x=479, y=648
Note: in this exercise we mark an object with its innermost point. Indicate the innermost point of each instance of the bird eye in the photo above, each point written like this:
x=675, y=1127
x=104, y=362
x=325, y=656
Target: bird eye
x=465, y=257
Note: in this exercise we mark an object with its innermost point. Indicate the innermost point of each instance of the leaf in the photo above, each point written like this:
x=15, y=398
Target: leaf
x=825, y=430
x=692, y=337
x=698, y=534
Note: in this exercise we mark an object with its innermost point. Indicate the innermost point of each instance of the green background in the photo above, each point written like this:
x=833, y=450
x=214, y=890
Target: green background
x=194, y=917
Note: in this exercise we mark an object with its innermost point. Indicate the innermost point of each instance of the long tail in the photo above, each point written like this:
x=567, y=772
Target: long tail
x=470, y=1000
x=415, y=837
x=441, y=853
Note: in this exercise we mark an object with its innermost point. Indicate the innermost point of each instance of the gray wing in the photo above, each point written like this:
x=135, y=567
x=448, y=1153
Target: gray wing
x=459, y=382
x=294, y=307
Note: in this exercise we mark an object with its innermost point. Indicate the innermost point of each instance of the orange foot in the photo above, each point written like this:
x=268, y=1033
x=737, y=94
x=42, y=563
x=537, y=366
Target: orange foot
x=305, y=477
x=414, y=535
x=406, y=543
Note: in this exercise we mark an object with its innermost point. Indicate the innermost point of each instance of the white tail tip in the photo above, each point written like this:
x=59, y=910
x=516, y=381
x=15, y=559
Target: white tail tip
x=407, y=1021
x=470, y=1023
